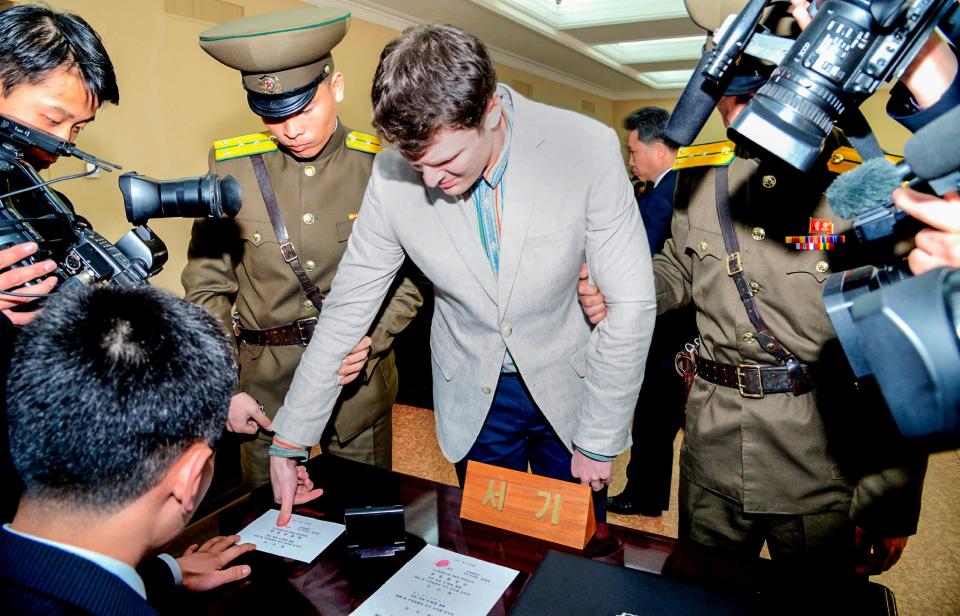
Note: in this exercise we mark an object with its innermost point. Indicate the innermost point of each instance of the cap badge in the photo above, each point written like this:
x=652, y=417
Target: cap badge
x=270, y=84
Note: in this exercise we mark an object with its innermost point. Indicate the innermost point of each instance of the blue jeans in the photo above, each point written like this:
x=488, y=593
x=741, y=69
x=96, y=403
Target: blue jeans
x=516, y=435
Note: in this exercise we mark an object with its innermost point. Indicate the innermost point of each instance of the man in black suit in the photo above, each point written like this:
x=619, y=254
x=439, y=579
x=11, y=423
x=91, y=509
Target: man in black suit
x=116, y=399
x=659, y=412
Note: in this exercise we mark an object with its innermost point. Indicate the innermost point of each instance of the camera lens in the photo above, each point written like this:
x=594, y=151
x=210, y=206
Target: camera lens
x=196, y=197
x=792, y=114
x=789, y=119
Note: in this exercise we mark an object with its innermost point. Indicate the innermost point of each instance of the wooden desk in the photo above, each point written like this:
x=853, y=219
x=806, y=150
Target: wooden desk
x=334, y=584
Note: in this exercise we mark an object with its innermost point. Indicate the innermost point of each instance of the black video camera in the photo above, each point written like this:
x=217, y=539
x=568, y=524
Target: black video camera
x=900, y=332
x=32, y=211
x=849, y=49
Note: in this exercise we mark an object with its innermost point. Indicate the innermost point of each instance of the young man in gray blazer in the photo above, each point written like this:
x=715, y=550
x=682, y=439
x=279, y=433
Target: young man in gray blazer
x=498, y=200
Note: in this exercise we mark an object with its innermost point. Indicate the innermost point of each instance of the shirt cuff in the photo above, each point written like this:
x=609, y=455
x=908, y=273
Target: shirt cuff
x=284, y=448
x=174, y=568
x=599, y=457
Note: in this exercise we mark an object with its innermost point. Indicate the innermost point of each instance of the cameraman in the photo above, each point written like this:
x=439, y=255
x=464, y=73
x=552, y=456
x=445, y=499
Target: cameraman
x=54, y=75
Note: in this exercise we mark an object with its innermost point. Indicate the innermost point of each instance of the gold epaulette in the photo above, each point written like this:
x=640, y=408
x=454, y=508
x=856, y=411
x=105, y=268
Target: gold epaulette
x=244, y=145
x=363, y=142
x=715, y=154
x=844, y=159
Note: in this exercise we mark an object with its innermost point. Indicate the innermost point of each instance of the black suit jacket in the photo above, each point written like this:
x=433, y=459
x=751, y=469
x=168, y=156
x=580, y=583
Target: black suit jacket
x=656, y=209
x=40, y=579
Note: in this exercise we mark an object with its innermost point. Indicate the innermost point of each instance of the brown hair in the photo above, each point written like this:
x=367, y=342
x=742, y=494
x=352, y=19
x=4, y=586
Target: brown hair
x=429, y=78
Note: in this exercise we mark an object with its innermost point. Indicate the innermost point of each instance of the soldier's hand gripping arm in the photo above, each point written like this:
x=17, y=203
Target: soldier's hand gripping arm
x=671, y=270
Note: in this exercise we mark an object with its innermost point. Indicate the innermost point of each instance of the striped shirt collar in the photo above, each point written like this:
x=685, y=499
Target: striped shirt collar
x=493, y=174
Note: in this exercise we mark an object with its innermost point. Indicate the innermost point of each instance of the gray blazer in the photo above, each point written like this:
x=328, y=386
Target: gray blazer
x=567, y=200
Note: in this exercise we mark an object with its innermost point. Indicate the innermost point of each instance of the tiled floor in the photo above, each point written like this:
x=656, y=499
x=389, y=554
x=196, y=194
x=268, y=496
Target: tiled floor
x=926, y=581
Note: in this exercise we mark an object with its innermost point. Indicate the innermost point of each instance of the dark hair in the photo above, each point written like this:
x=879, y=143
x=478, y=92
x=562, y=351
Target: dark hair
x=35, y=40
x=431, y=77
x=650, y=122
x=108, y=387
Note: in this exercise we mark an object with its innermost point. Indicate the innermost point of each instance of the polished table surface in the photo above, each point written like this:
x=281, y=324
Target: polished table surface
x=335, y=584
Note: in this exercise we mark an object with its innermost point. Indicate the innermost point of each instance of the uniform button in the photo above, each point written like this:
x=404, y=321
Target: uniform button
x=822, y=266
x=309, y=266
x=702, y=245
x=486, y=389
x=755, y=286
x=256, y=238
x=768, y=181
x=759, y=233
x=309, y=171
x=307, y=305
x=309, y=219
x=748, y=337
x=507, y=331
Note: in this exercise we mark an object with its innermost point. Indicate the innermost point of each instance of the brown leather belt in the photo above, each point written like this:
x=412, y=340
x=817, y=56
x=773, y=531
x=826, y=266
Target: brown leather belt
x=299, y=332
x=754, y=381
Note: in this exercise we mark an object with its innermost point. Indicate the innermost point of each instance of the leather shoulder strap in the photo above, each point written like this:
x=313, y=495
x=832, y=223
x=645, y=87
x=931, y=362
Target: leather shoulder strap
x=765, y=336
x=287, y=250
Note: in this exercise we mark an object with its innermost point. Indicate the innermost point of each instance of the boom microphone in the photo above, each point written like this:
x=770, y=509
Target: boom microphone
x=934, y=152
x=697, y=102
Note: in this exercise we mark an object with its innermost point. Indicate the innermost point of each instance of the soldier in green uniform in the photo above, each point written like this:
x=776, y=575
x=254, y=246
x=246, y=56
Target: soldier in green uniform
x=775, y=448
x=265, y=273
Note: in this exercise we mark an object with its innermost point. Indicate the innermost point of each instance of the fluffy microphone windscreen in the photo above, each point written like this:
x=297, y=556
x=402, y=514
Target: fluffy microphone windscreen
x=868, y=186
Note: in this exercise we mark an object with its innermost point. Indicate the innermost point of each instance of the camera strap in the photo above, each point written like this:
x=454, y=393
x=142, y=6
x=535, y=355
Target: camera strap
x=287, y=250
x=858, y=132
x=799, y=377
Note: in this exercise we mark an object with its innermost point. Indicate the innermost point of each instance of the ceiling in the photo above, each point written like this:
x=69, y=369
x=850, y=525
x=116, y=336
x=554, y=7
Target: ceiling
x=617, y=49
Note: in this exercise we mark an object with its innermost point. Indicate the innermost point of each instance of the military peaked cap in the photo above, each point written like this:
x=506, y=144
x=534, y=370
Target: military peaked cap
x=283, y=56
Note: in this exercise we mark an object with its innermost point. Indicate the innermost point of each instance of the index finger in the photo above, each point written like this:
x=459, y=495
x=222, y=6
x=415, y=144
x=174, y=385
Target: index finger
x=288, y=490
x=262, y=420
x=942, y=214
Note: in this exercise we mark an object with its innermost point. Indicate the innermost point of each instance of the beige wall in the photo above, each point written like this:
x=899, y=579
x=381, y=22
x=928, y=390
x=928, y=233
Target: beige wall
x=175, y=100
x=558, y=94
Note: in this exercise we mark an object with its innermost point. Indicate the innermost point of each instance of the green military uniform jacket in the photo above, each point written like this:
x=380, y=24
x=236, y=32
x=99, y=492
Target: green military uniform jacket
x=238, y=263
x=781, y=454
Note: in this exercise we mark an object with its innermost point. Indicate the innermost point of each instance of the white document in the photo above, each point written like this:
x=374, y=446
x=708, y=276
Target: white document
x=438, y=582
x=302, y=539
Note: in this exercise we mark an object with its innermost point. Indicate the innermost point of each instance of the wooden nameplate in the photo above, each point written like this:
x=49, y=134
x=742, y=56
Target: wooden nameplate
x=549, y=509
